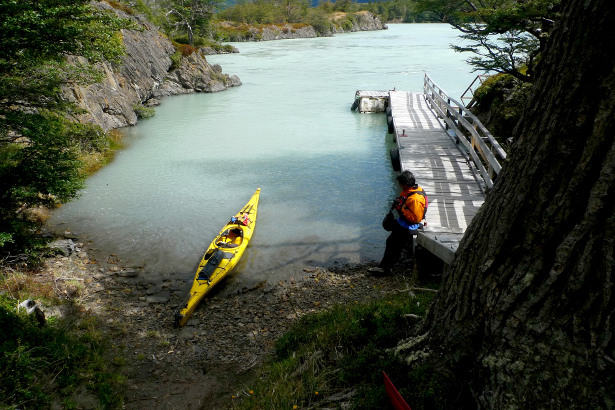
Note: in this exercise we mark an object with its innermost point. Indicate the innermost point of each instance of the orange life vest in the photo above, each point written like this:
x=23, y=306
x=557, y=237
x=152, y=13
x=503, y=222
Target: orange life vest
x=412, y=204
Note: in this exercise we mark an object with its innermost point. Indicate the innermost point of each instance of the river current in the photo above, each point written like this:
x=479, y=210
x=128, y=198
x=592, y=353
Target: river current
x=324, y=170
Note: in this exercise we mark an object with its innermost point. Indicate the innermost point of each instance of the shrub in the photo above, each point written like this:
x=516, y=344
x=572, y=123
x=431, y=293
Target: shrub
x=318, y=19
x=185, y=49
x=37, y=362
x=41, y=168
x=239, y=32
x=120, y=6
x=181, y=39
x=5, y=237
x=500, y=102
x=176, y=60
x=92, y=161
x=346, y=24
x=197, y=40
x=143, y=111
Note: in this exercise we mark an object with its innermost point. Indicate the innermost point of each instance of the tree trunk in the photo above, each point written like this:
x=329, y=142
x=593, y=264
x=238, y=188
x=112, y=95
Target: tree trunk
x=525, y=312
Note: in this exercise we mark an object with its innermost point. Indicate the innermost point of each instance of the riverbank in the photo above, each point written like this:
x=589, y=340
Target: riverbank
x=214, y=357
x=339, y=22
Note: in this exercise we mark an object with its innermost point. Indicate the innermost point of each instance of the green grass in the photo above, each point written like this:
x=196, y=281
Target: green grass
x=44, y=365
x=344, y=350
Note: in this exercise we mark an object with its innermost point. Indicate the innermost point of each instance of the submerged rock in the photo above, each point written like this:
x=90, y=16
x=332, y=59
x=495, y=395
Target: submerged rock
x=65, y=247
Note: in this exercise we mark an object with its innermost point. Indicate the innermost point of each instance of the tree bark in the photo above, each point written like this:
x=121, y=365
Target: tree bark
x=525, y=311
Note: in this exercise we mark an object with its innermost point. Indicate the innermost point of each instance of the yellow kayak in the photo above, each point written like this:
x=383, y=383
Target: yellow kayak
x=221, y=257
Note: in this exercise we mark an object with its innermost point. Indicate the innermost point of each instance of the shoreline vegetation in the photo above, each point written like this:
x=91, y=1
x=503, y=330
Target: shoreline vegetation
x=338, y=22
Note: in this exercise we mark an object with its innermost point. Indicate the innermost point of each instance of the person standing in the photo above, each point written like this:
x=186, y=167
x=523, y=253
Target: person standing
x=411, y=206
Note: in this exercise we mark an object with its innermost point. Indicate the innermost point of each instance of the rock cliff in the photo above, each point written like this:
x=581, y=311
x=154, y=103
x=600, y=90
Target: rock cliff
x=146, y=73
x=284, y=31
x=361, y=21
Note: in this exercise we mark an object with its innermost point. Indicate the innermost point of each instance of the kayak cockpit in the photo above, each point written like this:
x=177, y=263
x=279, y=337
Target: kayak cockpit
x=230, y=238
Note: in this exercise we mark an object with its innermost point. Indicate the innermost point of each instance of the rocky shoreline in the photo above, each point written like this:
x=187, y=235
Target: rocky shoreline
x=151, y=68
x=362, y=21
x=232, y=332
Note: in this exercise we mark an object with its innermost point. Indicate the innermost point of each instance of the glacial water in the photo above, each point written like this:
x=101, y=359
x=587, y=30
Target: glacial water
x=324, y=170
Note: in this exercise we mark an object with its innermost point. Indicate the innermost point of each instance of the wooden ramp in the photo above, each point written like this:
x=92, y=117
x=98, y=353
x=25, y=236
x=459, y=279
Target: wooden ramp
x=454, y=189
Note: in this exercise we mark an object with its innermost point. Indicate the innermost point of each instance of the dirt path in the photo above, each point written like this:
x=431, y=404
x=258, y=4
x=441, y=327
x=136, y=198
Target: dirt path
x=213, y=357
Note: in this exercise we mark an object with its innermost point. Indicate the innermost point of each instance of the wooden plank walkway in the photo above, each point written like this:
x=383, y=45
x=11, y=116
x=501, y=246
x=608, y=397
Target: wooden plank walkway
x=454, y=189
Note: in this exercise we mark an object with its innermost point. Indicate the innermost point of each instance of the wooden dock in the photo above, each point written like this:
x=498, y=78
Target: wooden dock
x=427, y=150
x=452, y=156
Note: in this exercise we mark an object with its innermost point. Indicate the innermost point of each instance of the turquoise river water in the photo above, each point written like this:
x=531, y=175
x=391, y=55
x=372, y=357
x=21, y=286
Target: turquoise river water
x=324, y=170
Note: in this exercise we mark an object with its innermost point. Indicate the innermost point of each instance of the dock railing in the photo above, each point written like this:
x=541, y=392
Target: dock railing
x=468, y=94
x=484, y=150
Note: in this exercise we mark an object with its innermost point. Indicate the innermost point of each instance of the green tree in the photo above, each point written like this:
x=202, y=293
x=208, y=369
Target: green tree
x=318, y=18
x=344, y=5
x=38, y=146
x=405, y=11
x=506, y=36
x=191, y=17
x=293, y=10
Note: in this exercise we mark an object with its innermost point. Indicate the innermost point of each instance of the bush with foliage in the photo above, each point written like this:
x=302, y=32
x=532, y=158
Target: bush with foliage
x=143, y=111
x=201, y=42
x=40, y=167
x=40, y=364
x=39, y=148
x=318, y=18
x=235, y=32
x=499, y=103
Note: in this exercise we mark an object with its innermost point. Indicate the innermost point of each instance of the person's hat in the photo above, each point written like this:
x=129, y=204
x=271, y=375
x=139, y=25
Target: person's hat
x=406, y=178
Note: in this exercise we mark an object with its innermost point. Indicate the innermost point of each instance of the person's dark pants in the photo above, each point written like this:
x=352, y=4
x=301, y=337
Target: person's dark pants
x=396, y=242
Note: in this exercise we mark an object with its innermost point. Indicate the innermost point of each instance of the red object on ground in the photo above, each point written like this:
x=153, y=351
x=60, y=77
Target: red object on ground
x=397, y=401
